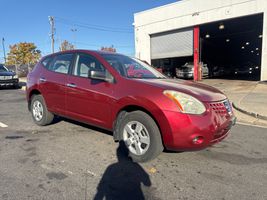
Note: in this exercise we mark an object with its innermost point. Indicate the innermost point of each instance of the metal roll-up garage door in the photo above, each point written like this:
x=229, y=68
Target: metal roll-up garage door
x=172, y=44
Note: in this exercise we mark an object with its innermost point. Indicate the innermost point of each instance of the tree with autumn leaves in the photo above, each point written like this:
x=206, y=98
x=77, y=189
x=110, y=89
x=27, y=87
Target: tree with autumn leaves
x=66, y=45
x=110, y=49
x=23, y=53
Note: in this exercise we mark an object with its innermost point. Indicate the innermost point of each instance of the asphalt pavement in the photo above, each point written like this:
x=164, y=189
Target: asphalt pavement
x=69, y=160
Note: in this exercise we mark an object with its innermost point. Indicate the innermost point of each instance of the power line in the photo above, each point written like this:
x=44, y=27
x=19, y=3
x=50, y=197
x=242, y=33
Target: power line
x=99, y=45
x=93, y=27
x=97, y=29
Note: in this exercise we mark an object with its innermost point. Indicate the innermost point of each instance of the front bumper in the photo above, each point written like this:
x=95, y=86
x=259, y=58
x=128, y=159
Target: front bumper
x=211, y=127
x=184, y=74
x=9, y=82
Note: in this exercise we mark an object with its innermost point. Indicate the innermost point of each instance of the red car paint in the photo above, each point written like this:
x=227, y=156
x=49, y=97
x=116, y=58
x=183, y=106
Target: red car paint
x=99, y=104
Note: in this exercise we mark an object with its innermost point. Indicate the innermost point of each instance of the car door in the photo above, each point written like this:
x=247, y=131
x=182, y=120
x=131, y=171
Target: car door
x=53, y=82
x=89, y=100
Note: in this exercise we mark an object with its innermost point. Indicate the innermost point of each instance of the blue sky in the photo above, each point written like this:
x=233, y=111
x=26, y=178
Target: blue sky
x=27, y=21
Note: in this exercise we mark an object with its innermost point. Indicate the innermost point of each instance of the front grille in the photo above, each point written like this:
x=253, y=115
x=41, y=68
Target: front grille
x=222, y=107
x=5, y=77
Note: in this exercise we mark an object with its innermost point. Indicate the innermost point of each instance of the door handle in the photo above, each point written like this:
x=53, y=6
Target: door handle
x=72, y=85
x=42, y=80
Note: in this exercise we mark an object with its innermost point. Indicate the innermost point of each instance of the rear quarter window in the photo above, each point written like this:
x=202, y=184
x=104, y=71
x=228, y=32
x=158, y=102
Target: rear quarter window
x=45, y=62
x=61, y=63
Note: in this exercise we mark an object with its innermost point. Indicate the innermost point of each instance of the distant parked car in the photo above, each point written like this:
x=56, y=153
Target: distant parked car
x=217, y=71
x=149, y=112
x=187, y=71
x=8, y=78
x=168, y=71
x=247, y=68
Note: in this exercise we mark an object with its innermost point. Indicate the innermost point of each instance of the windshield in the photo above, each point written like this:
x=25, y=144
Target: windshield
x=3, y=68
x=132, y=67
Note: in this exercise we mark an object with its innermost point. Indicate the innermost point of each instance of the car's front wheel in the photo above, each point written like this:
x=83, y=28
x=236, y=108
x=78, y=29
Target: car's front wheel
x=40, y=114
x=16, y=86
x=141, y=136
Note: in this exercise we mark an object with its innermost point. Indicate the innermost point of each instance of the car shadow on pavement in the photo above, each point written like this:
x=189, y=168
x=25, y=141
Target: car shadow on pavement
x=58, y=119
x=124, y=179
x=10, y=87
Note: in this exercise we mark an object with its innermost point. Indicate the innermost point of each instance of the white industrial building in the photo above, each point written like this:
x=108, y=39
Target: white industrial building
x=229, y=35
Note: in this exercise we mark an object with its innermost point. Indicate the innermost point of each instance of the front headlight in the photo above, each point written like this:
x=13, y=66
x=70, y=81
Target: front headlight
x=15, y=76
x=186, y=103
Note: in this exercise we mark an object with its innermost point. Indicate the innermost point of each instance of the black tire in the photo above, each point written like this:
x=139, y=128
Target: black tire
x=155, y=147
x=47, y=117
x=16, y=86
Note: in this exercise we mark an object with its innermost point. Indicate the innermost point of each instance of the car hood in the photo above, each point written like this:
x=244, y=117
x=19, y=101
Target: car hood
x=7, y=73
x=200, y=91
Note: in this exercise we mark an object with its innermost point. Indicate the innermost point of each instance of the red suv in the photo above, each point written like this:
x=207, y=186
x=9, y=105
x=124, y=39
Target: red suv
x=145, y=109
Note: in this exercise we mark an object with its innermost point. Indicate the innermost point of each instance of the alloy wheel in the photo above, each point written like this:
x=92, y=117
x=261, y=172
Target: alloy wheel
x=136, y=137
x=38, y=110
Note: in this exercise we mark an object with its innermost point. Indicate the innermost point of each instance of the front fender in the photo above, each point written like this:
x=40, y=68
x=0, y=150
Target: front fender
x=140, y=103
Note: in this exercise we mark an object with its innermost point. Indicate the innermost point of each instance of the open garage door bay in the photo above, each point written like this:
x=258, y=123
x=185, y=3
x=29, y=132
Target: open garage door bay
x=232, y=48
x=229, y=49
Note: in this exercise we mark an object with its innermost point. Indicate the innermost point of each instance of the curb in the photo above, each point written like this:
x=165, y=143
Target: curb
x=263, y=82
x=256, y=115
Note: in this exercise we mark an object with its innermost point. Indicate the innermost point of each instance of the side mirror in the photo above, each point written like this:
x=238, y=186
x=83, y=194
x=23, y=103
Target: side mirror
x=100, y=75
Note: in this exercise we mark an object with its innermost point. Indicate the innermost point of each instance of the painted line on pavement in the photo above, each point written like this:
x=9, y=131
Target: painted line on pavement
x=2, y=125
x=253, y=125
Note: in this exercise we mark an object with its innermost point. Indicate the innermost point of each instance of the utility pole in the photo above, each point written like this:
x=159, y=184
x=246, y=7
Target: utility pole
x=4, y=50
x=73, y=30
x=52, y=34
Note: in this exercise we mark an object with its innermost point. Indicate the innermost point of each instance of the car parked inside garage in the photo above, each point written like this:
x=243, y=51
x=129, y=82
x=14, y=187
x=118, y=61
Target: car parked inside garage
x=143, y=108
x=187, y=71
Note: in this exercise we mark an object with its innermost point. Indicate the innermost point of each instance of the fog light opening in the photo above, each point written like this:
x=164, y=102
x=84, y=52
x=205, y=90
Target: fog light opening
x=198, y=140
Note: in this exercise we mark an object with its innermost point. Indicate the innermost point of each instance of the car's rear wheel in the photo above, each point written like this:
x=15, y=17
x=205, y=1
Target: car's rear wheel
x=40, y=114
x=141, y=136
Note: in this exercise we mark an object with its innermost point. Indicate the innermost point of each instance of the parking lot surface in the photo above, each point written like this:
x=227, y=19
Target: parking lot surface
x=69, y=160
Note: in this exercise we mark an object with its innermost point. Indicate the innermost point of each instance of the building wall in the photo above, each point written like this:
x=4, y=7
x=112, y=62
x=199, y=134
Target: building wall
x=188, y=13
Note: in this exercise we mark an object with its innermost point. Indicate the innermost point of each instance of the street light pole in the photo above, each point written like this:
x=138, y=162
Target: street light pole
x=4, y=50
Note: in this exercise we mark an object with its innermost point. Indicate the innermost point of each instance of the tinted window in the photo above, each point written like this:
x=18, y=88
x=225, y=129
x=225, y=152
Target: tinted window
x=61, y=63
x=46, y=61
x=84, y=63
